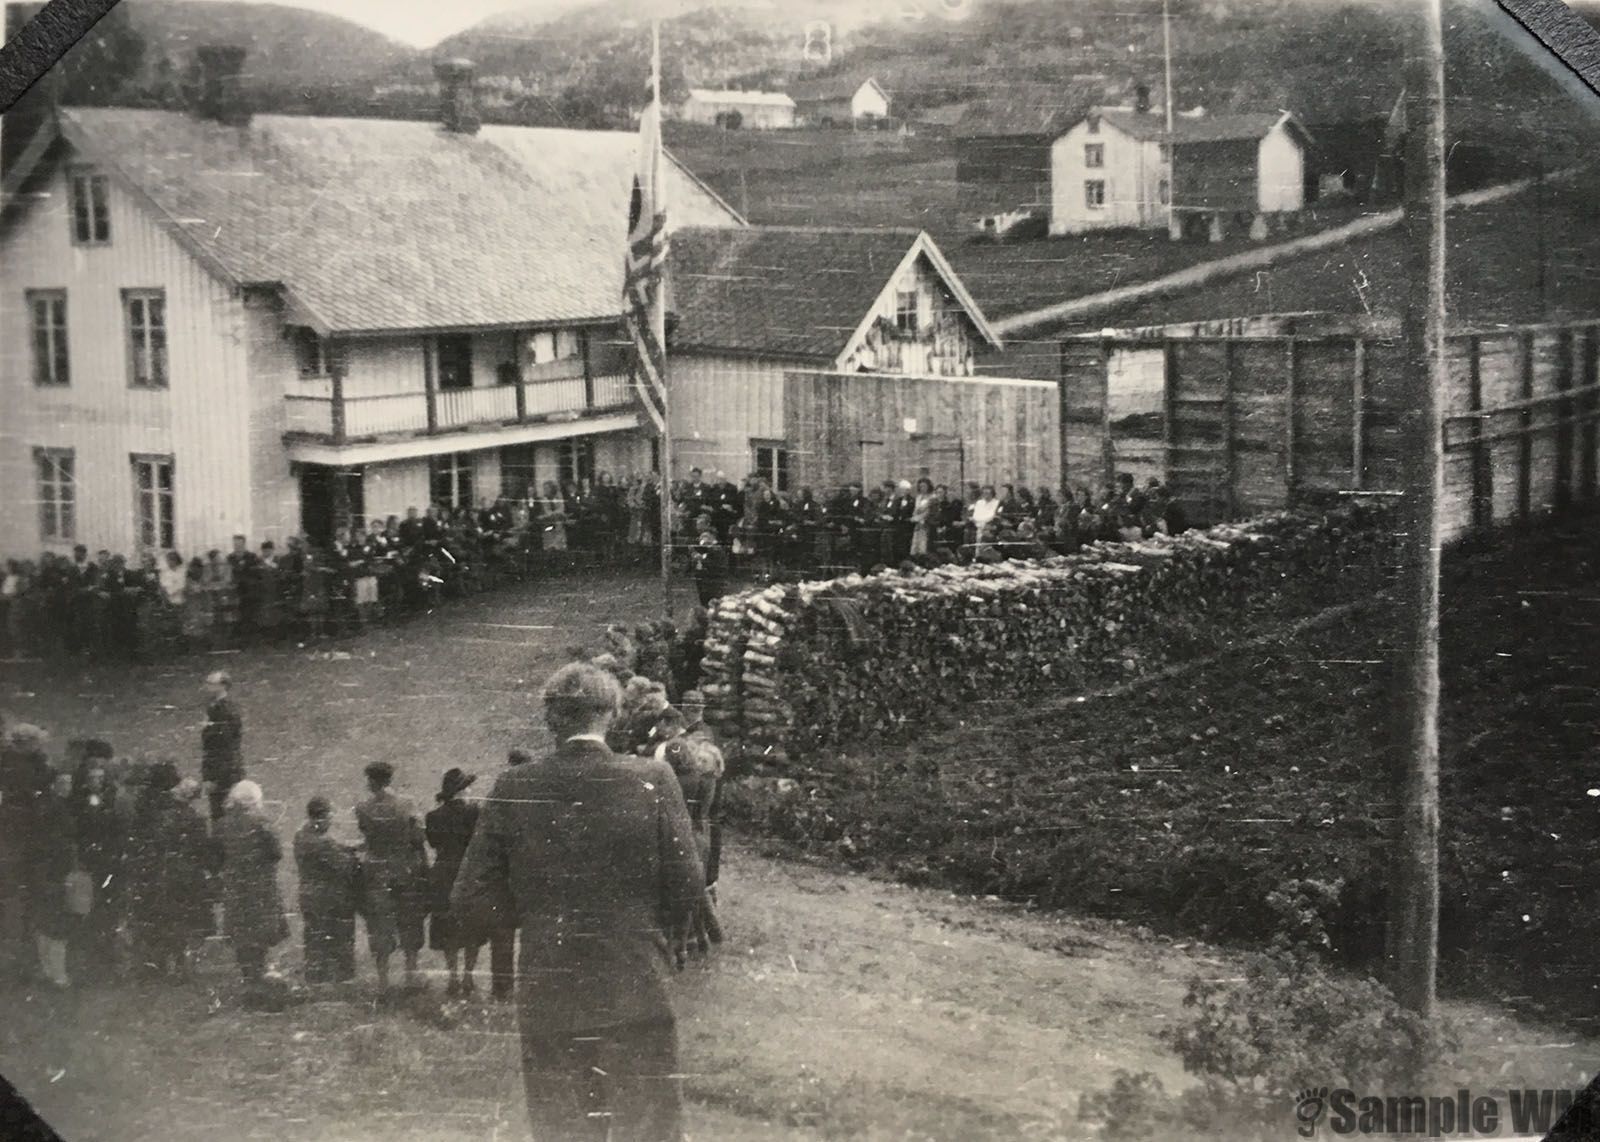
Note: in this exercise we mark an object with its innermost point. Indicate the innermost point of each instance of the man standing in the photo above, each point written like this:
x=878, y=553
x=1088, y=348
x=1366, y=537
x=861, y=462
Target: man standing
x=396, y=875
x=596, y=857
x=221, y=742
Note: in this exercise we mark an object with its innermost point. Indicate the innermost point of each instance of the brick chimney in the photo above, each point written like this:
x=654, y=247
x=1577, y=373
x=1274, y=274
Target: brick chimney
x=1141, y=98
x=220, y=94
x=35, y=107
x=458, y=96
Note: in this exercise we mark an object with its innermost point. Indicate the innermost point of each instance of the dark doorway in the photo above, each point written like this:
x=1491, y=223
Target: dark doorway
x=330, y=498
x=455, y=361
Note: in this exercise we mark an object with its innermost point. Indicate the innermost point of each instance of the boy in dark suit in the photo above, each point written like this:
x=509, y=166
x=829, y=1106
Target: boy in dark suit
x=595, y=856
x=328, y=872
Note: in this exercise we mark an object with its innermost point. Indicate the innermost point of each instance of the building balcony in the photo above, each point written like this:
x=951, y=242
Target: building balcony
x=326, y=424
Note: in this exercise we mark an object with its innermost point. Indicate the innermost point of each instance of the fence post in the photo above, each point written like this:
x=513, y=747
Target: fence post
x=1108, y=455
x=430, y=385
x=1167, y=405
x=1589, y=475
x=1482, y=467
x=1358, y=414
x=1564, y=414
x=1525, y=440
x=1229, y=466
x=1062, y=474
x=1290, y=391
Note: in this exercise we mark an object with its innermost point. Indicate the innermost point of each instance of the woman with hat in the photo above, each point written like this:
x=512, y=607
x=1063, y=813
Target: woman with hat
x=252, y=909
x=448, y=829
x=169, y=907
x=395, y=873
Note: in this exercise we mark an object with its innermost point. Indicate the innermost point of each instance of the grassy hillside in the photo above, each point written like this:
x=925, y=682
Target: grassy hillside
x=287, y=46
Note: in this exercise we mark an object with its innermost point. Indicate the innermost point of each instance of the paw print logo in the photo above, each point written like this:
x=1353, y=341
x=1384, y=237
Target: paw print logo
x=1309, y=1106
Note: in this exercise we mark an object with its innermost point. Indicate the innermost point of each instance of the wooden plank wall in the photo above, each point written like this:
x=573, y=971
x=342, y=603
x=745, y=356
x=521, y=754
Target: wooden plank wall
x=842, y=428
x=1255, y=424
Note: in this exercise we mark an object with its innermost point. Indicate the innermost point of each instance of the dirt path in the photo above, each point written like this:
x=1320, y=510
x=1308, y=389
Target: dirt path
x=840, y=1007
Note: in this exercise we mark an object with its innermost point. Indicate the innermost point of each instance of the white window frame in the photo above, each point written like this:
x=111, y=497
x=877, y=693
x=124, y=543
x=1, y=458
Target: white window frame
x=457, y=469
x=144, y=314
x=51, y=358
x=89, y=207
x=1094, y=156
x=155, y=508
x=56, y=479
x=907, y=310
x=1094, y=193
x=776, y=471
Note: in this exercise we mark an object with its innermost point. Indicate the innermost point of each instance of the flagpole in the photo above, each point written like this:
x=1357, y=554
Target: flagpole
x=658, y=326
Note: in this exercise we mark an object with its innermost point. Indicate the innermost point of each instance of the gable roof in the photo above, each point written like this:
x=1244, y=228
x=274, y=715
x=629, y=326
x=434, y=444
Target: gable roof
x=798, y=292
x=833, y=88
x=1242, y=126
x=1026, y=109
x=374, y=225
x=752, y=98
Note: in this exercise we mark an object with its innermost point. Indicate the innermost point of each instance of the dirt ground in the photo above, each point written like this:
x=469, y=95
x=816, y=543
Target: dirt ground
x=840, y=1006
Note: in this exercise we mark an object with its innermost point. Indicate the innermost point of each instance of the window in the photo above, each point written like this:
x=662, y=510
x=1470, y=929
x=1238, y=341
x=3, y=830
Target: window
x=1166, y=152
x=49, y=310
x=316, y=356
x=576, y=462
x=1094, y=154
x=153, y=502
x=450, y=481
x=1094, y=194
x=58, y=496
x=1094, y=125
x=454, y=354
x=772, y=463
x=146, y=311
x=91, y=217
x=1164, y=192
x=905, y=310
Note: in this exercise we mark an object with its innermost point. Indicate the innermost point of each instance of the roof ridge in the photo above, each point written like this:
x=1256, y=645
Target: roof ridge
x=801, y=228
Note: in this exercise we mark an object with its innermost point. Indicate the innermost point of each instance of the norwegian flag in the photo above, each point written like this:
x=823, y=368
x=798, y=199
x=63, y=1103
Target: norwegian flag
x=644, y=270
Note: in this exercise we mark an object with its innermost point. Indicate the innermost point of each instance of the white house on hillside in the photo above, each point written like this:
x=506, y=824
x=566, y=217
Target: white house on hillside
x=1117, y=168
x=752, y=110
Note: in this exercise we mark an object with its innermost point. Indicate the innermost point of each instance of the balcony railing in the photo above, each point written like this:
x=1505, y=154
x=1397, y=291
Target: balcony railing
x=316, y=409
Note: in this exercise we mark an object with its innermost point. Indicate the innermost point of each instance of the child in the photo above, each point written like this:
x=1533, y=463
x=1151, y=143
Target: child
x=328, y=894
x=709, y=559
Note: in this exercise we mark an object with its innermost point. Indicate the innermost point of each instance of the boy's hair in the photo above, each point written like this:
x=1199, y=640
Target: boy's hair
x=319, y=807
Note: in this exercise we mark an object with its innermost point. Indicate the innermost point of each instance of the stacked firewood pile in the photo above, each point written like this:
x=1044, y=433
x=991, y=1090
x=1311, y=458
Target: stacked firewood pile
x=793, y=667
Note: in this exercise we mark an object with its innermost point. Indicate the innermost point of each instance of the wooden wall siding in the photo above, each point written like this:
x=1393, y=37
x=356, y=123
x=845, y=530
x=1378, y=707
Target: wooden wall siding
x=720, y=404
x=1255, y=424
x=274, y=488
x=853, y=427
x=390, y=488
x=202, y=419
x=948, y=353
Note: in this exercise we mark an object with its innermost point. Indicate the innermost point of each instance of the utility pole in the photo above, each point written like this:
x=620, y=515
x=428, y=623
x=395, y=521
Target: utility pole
x=1413, y=939
x=1171, y=156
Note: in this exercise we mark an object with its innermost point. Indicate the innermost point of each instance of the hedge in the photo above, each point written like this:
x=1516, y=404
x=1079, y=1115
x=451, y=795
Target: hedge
x=792, y=668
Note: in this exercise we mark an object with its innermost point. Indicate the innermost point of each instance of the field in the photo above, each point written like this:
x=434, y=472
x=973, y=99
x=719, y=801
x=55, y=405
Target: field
x=1183, y=800
x=842, y=1006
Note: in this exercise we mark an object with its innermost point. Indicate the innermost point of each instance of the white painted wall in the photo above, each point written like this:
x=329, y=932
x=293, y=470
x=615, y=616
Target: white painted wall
x=1281, y=162
x=202, y=419
x=868, y=102
x=1133, y=172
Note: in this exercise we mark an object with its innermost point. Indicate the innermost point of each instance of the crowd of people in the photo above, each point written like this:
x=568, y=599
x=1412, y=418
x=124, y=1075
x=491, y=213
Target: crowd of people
x=105, y=604
x=109, y=865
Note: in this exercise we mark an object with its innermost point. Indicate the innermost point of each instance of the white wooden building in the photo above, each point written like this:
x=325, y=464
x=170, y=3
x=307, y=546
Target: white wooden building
x=841, y=101
x=1117, y=167
x=216, y=325
x=755, y=305
x=750, y=110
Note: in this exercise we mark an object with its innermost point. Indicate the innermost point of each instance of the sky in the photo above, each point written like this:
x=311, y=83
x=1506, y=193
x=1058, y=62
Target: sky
x=420, y=23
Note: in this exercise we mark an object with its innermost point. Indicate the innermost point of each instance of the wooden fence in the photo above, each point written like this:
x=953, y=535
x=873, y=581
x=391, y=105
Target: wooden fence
x=870, y=427
x=1260, y=422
